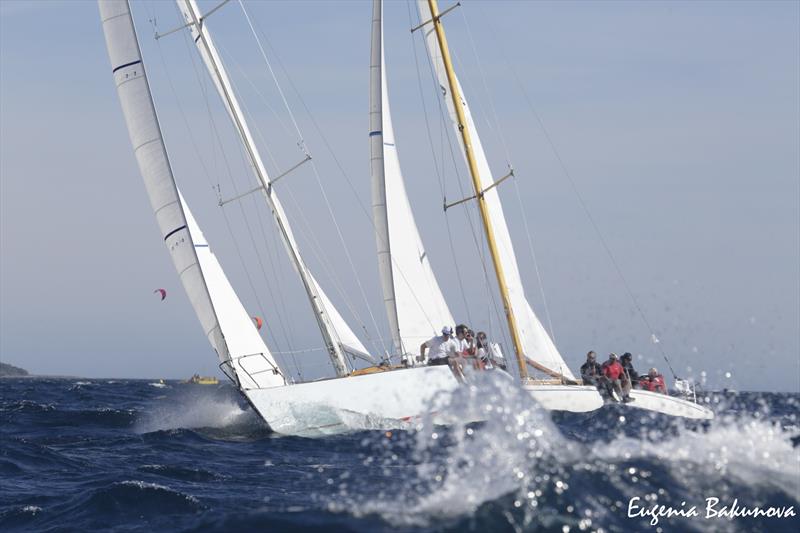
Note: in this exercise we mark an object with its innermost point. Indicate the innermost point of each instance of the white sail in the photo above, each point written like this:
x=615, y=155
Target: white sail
x=151, y=154
x=322, y=307
x=414, y=302
x=535, y=340
x=227, y=325
x=250, y=357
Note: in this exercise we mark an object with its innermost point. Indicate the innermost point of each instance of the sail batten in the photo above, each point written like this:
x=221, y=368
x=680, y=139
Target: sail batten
x=414, y=302
x=536, y=343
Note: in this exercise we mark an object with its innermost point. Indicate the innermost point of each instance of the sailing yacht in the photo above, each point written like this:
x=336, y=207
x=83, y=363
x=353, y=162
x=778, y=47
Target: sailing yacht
x=415, y=306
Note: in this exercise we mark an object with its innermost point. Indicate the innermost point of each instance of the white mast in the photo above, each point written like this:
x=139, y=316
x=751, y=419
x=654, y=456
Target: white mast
x=208, y=52
x=225, y=322
x=414, y=302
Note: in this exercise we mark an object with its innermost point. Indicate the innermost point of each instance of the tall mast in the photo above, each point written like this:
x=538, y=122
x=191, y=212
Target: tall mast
x=215, y=67
x=455, y=94
x=377, y=168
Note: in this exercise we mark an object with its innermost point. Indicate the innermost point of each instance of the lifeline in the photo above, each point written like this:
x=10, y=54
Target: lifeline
x=711, y=511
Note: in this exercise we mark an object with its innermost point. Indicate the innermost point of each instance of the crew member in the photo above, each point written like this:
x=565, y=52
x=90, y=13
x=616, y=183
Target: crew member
x=629, y=376
x=443, y=351
x=653, y=382
x=612, y=371
x=591, y=371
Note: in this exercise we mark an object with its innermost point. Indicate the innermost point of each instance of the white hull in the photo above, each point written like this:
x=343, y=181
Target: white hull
x=572, y=398
x=381, y=400
x=349, y=404
x=669, y=405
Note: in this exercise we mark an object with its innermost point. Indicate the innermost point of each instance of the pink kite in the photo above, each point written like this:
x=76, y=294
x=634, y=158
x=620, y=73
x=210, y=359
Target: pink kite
x=163, y=293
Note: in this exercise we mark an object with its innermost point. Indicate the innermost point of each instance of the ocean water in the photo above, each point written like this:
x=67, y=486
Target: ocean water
x=131, y=455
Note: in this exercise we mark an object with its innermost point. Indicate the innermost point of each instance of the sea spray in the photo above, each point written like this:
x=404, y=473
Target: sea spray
x=520, y=461
x=195, y=406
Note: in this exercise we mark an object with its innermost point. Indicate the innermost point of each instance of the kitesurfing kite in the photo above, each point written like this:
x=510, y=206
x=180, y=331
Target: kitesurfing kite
x=258, y=322
x=163, y=293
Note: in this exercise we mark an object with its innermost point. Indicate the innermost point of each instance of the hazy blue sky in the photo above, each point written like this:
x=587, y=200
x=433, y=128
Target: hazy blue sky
x=678, y=121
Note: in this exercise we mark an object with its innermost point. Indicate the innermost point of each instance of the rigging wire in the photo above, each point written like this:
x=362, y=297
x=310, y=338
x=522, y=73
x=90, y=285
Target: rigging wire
x=305, y=228
x=447, y=129
x=440, y=174
x=301, y=145
x=498, y=131
x=338, y=164
x=208, y=178
x=581, y=201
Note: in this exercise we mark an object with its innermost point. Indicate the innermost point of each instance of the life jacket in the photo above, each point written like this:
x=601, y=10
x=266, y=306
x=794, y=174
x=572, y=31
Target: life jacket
x=655, y=384
x=612, y=370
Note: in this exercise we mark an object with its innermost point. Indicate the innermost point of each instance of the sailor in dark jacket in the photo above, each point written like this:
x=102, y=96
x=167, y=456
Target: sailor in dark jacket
x=591, y=372
x=629, y=377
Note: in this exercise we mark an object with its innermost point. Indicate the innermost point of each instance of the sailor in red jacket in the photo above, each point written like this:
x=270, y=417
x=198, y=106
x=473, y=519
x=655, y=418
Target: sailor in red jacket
x=613, y=371
x=653, y=382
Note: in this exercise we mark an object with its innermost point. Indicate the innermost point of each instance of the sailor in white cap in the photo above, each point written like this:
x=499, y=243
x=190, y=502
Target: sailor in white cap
x=441, y=347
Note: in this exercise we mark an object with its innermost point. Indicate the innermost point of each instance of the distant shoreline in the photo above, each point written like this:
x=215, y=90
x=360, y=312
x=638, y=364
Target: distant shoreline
x=7, y=370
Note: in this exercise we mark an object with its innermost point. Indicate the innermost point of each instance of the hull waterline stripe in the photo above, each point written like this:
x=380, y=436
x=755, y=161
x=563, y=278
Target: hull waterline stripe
x=176, y=230
x=126, y=65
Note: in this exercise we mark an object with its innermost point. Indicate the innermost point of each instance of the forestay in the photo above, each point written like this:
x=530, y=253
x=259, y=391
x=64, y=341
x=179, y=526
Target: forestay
x=148, y=146
x=535, y=340
x=414, y=302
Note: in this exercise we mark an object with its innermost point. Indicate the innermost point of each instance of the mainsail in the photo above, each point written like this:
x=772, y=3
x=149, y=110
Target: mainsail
x=536, y=343
x=224, y=320
x=337, y=335
x=414, y=302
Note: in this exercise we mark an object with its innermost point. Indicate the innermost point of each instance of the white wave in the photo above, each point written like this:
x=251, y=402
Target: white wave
x=144, y=485
x=483, y=463
x=752, y=450
x=520, y=453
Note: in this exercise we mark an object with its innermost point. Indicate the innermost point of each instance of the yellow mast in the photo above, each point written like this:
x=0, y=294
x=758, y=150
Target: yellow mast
x=476, y=183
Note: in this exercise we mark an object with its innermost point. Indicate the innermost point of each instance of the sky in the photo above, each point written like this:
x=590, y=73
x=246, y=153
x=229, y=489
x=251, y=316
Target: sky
x=678, y=123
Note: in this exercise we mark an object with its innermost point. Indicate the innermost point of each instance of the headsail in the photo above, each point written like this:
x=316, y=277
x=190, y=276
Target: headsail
x=535, y=341
x=250, y=357
x=211, y=296
x=414, y=302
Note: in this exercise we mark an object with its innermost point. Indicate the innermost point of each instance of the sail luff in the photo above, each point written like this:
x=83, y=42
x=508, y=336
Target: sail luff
x=211, y=58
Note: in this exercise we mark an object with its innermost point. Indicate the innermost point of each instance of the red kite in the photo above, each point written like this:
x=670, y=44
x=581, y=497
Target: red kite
x=163, y=293
x=258, y=322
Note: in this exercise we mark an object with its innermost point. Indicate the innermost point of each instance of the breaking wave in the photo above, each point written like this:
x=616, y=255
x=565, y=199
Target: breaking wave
x=521, y=462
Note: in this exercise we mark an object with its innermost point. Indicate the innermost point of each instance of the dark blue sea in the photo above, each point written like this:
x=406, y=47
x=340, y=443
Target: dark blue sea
x=137, y=455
